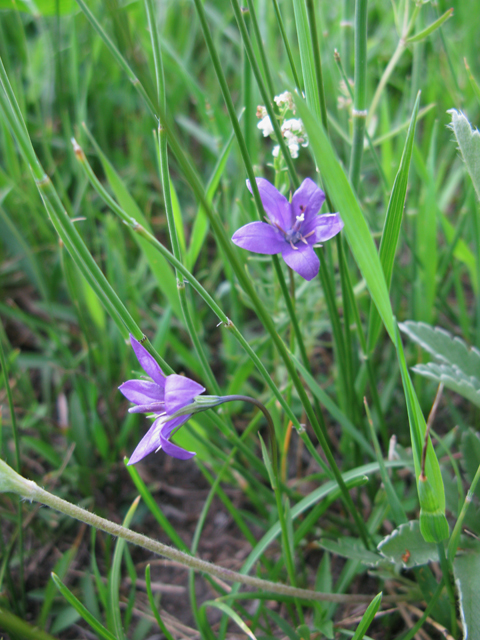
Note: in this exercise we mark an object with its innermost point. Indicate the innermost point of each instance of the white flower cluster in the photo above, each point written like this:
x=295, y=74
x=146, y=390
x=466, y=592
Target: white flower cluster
x=292, y=129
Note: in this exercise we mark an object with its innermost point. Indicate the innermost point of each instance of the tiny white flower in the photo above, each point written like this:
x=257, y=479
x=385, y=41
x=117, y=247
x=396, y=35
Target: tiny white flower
x=276, y=150
x=265, y=125
x=285, y=98
x=293, y=147
x=294, y=124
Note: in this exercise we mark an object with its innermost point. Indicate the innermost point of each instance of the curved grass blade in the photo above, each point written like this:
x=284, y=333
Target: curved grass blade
x=393, y=223
x=114, y=579
x=431, y=492
x=82, y=610
x=368, y=617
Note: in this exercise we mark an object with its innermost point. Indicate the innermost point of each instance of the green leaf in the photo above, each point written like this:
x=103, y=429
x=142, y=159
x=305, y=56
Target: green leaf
x=407, y=546
x=473, y=82
x=432, y=509
x=159, y=266
x=459, y=366
x=470, y=448
x=231, y=614
x=306, y=57
x=444, y=346
x=368, y=617
x=115, y=575
x=452, y=378
x=341, y=193
x=466, y=569
x=81, y=610
x=393, y=222
x=352, y=549
x=469, y=143
x=200, y=225
x=40, y=7
x=424, y=33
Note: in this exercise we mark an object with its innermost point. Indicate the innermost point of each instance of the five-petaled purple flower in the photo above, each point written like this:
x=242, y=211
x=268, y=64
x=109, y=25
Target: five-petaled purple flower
x=293, y=227
x=162, y=396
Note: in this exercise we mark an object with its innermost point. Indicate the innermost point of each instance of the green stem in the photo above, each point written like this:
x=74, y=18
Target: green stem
x=359, y=112
x=261, y=48
x=445, y=566
x=298, y=84
x=118, y=57
x=10, y=481
x=263, y=91
x=16, y=442
x=317, y=62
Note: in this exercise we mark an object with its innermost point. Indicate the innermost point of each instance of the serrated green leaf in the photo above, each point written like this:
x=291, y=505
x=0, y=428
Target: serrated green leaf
x=351, y=548
x=469, y=144
x=406, y=546
x=466, y=569
x=452, y=378
x=445, y=347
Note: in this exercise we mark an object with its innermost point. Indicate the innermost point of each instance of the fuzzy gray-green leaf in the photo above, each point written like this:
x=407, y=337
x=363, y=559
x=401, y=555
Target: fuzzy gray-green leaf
x=445, y=347
x=452, y=378
x=469, y=144
x=406, y=546
x=466, y=569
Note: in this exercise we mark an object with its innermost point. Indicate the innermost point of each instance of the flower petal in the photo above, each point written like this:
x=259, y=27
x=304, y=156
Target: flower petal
x=148, y=362
x=150, y=442
x=302, y=259
x=174, y=450
x=326, y=226
x=307, y=199
x=180, y=391
x=153, y=407
x=142, y=391
x=276, y=206
x=259, y=237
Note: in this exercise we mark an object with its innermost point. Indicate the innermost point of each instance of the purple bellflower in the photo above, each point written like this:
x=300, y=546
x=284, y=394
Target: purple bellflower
x=292, y=228
x=163, y=396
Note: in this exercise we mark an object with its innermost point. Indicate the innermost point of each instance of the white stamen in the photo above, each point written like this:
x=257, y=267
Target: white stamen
x=300, y=218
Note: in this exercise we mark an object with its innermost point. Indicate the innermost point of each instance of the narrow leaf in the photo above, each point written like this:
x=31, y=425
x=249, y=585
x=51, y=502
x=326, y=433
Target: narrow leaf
x=83, y=611
x=341, y=193
x=424, y=33
x=368, y=617
x=393, y=222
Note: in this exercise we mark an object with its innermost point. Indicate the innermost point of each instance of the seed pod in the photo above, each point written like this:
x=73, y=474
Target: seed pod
x=433, y=523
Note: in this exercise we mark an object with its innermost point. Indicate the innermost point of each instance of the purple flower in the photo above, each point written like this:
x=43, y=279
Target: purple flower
x=293, y=227
x=162, y=396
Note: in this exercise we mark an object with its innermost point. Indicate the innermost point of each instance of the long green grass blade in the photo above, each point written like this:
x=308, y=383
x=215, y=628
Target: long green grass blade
x=358, y=234
x=393, y=223
x=82, y=610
